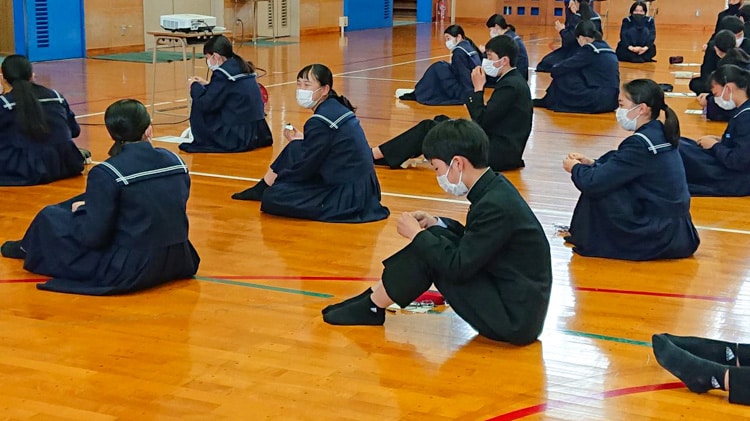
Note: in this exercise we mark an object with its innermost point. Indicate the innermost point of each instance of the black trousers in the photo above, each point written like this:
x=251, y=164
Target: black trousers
x=739, y=385
x=406, y=145
x=406, y=276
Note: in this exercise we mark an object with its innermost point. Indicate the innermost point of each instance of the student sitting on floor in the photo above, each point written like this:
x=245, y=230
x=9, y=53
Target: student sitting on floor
x=227, y=113
x=448, y=83
x=634, y=202
x=734, y=56
x=575, y=13
x=716, y=46
x=499, y=26
x=506, y=119
x=588, y=82
x=129, y=231
x=326, y=174
x=37, y=129
x=495, y=272
x=733, y=9
x=637, y=36
x=706, y=364
x=721, y=166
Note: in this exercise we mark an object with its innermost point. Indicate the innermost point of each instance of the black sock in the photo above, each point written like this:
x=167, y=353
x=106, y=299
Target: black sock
x=254, y=193
x=381, y=162
x=698, y=374
x=724, y=353
x=356, y=313
x=362, y=295
x=13, y=250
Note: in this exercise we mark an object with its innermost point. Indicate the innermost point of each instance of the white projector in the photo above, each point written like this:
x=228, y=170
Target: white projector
x=187, y=22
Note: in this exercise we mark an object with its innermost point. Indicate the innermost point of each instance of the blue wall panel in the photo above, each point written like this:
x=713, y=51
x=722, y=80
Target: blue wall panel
x=424, y=10
x=368, y=14
x=49, y=29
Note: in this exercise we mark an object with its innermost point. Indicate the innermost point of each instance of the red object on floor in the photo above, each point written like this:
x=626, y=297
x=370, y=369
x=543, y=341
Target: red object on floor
x=263, y=93
x=434, y=296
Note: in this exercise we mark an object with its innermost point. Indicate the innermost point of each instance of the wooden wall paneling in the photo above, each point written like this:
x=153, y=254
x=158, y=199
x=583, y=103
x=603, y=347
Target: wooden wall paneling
x=6, y=28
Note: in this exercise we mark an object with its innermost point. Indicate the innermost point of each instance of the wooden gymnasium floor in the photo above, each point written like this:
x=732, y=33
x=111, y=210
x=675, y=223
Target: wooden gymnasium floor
x=245, y=339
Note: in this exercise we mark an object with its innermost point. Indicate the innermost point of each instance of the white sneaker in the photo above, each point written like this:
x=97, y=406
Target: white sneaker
x=402, y=91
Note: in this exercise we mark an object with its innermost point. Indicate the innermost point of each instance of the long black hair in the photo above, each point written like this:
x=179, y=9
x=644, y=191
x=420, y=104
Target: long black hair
x=456, y=30
x=323, y=75
x=220, y=45
x=500, y=21
x=585, y=10
x=30, y=116
x=646, y=91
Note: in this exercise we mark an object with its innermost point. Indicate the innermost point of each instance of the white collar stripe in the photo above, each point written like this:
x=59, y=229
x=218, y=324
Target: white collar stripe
x=651, y=146
x=114, y=170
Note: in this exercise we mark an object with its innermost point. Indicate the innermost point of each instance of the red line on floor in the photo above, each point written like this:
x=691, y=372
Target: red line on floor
x=536, y=409
x=657, y=294
x=302, y=278
x=22, y=281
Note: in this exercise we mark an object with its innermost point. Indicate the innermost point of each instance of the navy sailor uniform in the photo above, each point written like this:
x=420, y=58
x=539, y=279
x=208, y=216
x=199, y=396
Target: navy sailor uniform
x=131, y=234
x=723, y=170
x=449, y=84
x=637, y=31
x=227, y=114
x=588, y=82
x=329, y=175
x=25, y=161
x=634, y=202
x=570, y=44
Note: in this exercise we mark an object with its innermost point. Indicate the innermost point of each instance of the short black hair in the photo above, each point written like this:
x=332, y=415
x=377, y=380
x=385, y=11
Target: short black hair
x=127, y=120
x=504, y=47
x=459, y=137
x=733, y=23
x=725, y=40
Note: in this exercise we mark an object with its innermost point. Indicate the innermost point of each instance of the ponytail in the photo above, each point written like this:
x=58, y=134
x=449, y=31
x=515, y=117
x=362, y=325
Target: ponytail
x=671, y=126
x=646, y=91
x=29, y=114
x=342, y=99
x=585, y=10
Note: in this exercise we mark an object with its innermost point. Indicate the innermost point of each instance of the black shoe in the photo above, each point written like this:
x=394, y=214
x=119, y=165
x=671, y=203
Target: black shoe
x=365, y=294
x=254, y=193
x=381, y=162
x=408, y=97
x=361, y=312
x=12, y=250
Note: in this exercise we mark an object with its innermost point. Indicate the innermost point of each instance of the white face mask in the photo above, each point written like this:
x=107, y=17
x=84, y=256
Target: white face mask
x=489, y=67
x=305, y=98
x=213, y=67
x=625, y=122
x=451, y=43
x=739, y=41
x=725, y=104
x=458, y=189
x=494, y=33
